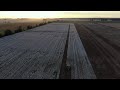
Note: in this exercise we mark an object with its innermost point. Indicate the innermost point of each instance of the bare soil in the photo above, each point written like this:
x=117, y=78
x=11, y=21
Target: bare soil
x=103, y=52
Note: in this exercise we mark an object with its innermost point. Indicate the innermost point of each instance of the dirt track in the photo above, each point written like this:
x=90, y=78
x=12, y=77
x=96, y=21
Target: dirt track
x=103, y=52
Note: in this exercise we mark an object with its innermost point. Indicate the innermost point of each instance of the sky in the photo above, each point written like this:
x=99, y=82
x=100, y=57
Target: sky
x=59, y=14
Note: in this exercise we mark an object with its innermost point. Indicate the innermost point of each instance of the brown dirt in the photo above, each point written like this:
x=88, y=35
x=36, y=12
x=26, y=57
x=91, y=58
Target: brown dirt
x=103, y=56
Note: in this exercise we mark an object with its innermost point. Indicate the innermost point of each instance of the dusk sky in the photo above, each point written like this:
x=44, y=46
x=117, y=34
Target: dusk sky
x=59, y=14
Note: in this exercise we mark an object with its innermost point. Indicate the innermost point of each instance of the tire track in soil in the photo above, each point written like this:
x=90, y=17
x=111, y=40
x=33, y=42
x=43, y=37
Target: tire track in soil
x=106, y=40
x=65, y=72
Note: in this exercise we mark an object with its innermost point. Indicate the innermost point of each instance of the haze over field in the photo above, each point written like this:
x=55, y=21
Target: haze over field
x=59, y=14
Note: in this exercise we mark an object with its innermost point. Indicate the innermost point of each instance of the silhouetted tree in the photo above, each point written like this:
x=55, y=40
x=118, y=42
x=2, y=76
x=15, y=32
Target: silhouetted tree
x=19, y=29
x=7, y=32
x=1, y=35
x=37, y=25
x=29, y=27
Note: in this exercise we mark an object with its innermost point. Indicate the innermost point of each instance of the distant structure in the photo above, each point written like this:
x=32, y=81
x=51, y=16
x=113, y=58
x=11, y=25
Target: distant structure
x=91, y=19
x=104, y=19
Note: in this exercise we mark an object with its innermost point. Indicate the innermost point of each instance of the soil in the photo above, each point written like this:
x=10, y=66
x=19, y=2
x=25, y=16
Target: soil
x=103, y=53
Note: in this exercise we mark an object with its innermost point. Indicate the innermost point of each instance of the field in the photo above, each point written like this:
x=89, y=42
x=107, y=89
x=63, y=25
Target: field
x=51, y=51
x=102, y=44
x=14, y=24
x=67, y=49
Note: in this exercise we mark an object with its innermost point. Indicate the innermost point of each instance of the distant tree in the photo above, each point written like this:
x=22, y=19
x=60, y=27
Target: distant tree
x=37, y=25
x=1, y=35
x=19, y=29
x=7, y=32
x=16, y=31
x=40, y=24
x=29, y=27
